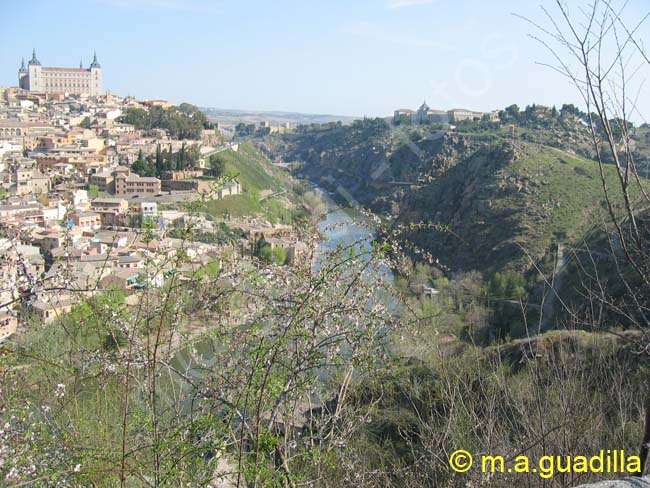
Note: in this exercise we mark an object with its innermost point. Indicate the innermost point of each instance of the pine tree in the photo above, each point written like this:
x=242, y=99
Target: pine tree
x=181, y=158
x=159, y=161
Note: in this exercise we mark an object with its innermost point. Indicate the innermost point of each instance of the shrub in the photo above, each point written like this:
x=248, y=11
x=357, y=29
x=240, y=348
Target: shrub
x=273, y=255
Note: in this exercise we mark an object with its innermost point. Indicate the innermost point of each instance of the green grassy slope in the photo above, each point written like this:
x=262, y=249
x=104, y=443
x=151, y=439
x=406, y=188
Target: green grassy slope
x=510, y=207
x=566, y=189
x=255, y=171
x=258, y=178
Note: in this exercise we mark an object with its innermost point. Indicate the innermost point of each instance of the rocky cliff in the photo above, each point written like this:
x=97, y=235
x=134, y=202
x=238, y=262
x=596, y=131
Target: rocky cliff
x=506, y=204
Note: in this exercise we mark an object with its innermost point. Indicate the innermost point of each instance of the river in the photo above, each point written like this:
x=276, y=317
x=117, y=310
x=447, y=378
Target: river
x=340, y=225
x=345, y=226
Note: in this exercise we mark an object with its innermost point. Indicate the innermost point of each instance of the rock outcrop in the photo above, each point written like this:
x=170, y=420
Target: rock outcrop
x=624, y=483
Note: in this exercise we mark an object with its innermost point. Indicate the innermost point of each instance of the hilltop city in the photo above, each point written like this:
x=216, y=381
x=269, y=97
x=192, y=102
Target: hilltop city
x=78, y=181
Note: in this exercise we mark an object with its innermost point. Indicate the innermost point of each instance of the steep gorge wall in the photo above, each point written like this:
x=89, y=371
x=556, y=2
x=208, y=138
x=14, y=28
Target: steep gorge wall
x=444, y=178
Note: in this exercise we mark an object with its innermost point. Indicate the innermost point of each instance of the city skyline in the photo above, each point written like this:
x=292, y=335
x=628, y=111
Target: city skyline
x=354, y=60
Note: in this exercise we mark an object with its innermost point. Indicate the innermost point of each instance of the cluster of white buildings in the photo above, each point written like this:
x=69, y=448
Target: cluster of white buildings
x=54, y=251
x=57, y=242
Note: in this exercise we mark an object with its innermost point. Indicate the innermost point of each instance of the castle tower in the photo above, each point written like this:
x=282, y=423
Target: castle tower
x=35, y=82
x=22, y=76
x=34, y=61
x=96, y=77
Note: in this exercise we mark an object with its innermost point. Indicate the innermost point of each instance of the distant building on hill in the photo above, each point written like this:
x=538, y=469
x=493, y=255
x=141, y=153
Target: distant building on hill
x=403, y=115
x=425, y=114
x=460, y=114
x=57, y=81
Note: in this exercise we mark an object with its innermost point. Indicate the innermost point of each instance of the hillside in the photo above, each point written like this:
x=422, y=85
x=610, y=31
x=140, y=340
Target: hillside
x=266, y=190
x=501, y=198
x=504, y=201
x=254, y=170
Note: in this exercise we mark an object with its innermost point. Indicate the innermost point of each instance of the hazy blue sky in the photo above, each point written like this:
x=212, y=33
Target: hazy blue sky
x=349, y=57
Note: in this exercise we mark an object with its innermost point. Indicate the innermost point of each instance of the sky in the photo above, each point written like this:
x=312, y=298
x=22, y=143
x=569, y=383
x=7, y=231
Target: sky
x=343, y=57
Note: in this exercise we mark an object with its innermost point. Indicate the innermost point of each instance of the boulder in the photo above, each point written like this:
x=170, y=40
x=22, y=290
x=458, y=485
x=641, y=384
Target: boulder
x=623, y=483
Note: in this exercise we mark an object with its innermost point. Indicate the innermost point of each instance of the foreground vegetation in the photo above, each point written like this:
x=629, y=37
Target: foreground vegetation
x=301, y=377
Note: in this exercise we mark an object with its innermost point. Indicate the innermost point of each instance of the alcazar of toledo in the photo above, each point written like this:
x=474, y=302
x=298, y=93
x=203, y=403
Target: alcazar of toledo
x=49, y=80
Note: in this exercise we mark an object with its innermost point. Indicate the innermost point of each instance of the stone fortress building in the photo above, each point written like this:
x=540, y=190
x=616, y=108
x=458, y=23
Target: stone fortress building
x=49, y=80
x=424, y=114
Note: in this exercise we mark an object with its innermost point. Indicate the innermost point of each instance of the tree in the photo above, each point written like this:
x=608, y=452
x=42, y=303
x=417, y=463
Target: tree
x=185, y=123
x=275, y=255
x=143, y=168
x=159, y=164
x=570, y=109
x=86, y=123
x=168, y=160
x=192, y=156
x=599, y=52
x=93, y=191
x=244, y=130
x=135, y=221
x=285, y=331
x=218, y=165
x=512, y=112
